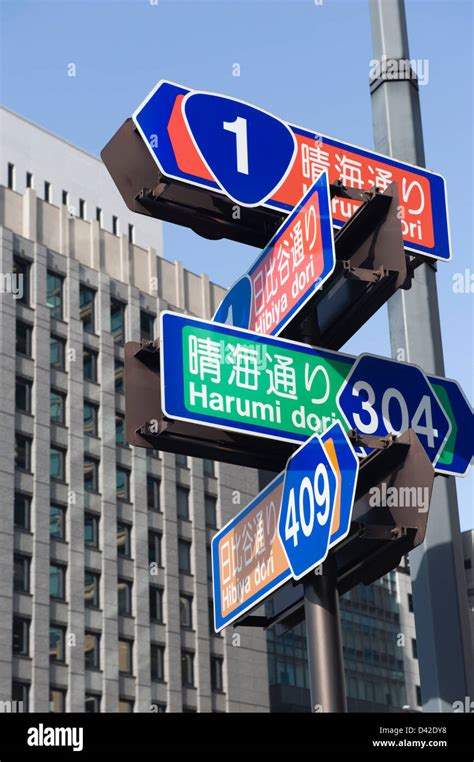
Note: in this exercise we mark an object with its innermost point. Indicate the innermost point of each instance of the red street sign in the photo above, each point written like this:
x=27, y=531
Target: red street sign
x=181, y=128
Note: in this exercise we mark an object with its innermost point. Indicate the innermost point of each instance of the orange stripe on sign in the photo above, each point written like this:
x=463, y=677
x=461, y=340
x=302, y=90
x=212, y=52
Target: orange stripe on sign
x=331, y=453
x=187, y=157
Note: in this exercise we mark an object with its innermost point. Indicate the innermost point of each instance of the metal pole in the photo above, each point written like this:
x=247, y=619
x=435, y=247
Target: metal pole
x=438, y=579
x=324, y=641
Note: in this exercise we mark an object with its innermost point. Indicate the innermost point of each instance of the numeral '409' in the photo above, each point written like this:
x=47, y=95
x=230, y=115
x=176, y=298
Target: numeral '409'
x=319, y=494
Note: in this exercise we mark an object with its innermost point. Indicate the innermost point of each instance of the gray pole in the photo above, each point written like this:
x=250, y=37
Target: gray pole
x=324, y=641
x=439, y=584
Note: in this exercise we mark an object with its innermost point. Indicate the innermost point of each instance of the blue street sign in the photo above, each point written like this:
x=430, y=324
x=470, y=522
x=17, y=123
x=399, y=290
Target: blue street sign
x=249, y=561
x=293, y=266
x=229, y=136
x=307, y=506
x=230, y=378
x=382, y=396
x=346, y=465
x=226, y=146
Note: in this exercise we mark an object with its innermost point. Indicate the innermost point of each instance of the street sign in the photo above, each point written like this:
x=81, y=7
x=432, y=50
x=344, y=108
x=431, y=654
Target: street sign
x=236, y=380
x=293, y=266
x=249, y=561
x=382, y=396
x=226, y=146
x=317, y=500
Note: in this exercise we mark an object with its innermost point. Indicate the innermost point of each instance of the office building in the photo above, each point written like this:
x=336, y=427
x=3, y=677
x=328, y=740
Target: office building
x=105, y=600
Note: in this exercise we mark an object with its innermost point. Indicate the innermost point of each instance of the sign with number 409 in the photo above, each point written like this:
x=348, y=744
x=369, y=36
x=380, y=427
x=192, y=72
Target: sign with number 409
x=307, y=505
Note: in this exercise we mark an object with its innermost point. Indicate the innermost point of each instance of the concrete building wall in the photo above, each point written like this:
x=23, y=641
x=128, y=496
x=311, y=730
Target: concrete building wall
x=47, y=238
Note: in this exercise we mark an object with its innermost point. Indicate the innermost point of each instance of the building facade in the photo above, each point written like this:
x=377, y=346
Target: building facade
x=105, y=598
x=379, y=645
x=468, y=552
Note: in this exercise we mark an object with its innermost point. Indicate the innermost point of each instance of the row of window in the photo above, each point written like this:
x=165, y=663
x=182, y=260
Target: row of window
x=92, y=654
x=87, y=299
x=91, y=467
x=82, y=212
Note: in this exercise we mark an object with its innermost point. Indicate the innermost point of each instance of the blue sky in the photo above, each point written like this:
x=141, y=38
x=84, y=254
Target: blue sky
x=305, y=62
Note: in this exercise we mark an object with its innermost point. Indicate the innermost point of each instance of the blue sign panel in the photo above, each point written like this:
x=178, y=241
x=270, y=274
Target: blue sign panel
x=293, y=266
x=307, y=505
x=230, y=147
x=382, y=396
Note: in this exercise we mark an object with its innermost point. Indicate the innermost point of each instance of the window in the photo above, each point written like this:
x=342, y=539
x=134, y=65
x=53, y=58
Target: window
x=98, y=215
x=11, y=176
x=57, y=581
x=147, y=325
x=57, y=641
x=153, y=493
x=156, y=604
x=57, y=460
x=187, y=668
x=209, y=467
x=124, y=591
x=24, y=335
x=467, y=564
x=21, y=636
x=82, y=209
x=21, y=573
x=414, y=649
x=90, y=364
x=90, y=418
x=181, y=460
x=210, y=504
x=29, y=180
x=23, y=395
x=57, y=406
x=20, y=693
x=217, y=676
x=117, y=320
x=120, y=430
x=123, y=539
x=154, y=548
x=21, y=271
x=125, y=656
x=410, y=602
x=91, y=530
x=122, y=481
x=91, y=590
x=57, y=700
x=91, y=474
x=87, y=308
x=92, y=650
x=115, y=225
x=157, y=662
x=57, y=352
x=22, y=511
x=209, y=561
x=418, y=695
x=182, y=499
x=47, y=191
x=131, y=234
x=54, y=295
x=184, y=556
x=22, y=452
x=119, y=376
x=186, y=611
x=125, y=706
x=92, y=703
x=57, y=521
x=65, y=198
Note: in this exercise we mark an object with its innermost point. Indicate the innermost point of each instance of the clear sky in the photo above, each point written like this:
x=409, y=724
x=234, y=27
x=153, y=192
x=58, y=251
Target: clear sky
x=303, y=61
